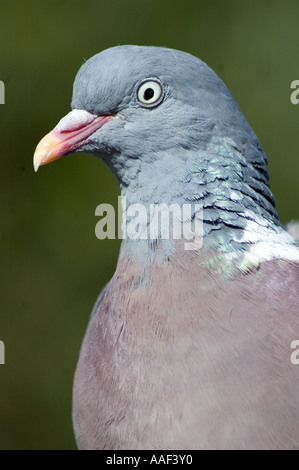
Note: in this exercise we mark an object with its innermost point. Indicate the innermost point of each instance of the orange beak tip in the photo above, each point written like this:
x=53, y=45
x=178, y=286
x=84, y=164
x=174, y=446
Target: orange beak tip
x=46, y=151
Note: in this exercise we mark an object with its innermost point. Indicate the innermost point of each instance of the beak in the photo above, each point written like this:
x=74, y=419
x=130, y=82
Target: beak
x=67, y=136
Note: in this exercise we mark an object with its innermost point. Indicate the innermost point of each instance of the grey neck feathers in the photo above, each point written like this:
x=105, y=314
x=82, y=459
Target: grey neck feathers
x=220, y=167
x=226, y=176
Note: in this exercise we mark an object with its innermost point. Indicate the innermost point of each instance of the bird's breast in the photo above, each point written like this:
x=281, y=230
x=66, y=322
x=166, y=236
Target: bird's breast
x=179, y=360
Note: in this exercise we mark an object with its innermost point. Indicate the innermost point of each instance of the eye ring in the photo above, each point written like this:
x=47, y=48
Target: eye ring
x=150, y=93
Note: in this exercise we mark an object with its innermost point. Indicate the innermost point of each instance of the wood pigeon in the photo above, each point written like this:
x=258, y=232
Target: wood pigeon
x=186, y=348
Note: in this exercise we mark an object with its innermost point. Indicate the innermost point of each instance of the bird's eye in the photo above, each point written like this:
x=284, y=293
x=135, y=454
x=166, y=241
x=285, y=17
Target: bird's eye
x=150, y=93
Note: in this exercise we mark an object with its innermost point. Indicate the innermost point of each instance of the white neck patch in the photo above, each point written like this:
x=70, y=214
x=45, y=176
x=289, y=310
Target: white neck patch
x=267, y=243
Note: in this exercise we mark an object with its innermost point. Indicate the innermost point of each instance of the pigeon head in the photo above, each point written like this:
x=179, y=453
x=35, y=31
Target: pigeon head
x=171, y=132
x=151, y=100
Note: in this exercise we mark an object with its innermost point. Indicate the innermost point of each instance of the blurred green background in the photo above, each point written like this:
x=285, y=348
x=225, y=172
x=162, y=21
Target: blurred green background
x=52, y=265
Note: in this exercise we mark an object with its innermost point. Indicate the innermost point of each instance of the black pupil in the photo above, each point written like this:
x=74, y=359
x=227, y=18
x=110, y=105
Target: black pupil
x=148, y=94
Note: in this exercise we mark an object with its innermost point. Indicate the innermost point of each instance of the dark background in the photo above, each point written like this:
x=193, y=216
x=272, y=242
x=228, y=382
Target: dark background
x=52, y=265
